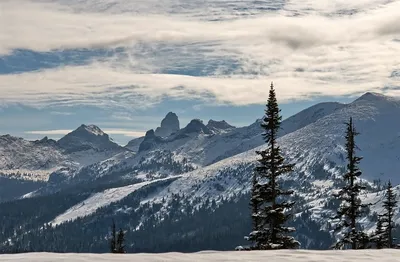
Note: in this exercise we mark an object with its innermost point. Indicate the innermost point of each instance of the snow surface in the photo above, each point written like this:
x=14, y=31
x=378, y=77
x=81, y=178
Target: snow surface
x=383, y=255
x=30, y=157
x=101, y=199
x=94, y=130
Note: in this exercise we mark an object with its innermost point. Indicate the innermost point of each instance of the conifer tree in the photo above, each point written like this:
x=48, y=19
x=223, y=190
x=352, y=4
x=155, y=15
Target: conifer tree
x=379, y=234
x=351, y=207
x=389, y=205
x=120, y=247
x=269, y=207
x=113, y=240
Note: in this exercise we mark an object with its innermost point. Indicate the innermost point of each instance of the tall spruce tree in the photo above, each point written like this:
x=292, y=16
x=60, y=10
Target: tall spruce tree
x=389, y=206
x=270, y=209
x=113, y=240
x=351, y=207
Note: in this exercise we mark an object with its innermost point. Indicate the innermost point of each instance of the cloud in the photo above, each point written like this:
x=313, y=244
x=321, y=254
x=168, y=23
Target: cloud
x=319, y=52
x=57, y=132
x=31, y=26
x=125, y=132
x=62, y=113
x=49, y=132
x=95, y=85
x=335, y=7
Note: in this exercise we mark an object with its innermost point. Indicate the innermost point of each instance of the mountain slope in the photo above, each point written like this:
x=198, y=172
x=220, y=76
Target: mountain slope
x=88, y=146
x=318, y=151
x=202, y=145
x=40, y=159
x=322, y=142
x=35, y=158
x=101, y=199
x=317, y=167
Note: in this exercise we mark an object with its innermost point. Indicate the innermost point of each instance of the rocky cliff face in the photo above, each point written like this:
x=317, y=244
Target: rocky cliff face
x=169, y=125
x=149, y=141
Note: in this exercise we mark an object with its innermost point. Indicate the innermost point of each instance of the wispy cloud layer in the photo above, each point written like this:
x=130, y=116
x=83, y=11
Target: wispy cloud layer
x=49, y=132
x=307, y=48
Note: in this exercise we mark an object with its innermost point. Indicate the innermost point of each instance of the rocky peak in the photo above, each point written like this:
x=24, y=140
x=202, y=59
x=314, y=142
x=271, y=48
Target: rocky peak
x=196, y=126
x=46, y=141
x=149, y=134
x=92, y=129
x=372, y=97
x=150, y=140
x=218, y=125
x=9, y=138
x=87, y=137
x=169, y=125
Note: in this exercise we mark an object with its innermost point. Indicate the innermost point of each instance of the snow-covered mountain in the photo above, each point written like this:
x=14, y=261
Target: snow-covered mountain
x=86, y=145
x=202, y=145
x=207, y=165
x=219, y=126
x=317, y=149
x=38, y=157
x=134, y=144
x=88, y=153
x=91, y=153
x=87, y=137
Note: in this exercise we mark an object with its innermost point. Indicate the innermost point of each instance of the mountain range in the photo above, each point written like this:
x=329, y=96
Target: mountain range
x=158, y=185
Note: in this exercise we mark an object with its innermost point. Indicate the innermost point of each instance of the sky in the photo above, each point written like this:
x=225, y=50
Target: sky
x=123, y=64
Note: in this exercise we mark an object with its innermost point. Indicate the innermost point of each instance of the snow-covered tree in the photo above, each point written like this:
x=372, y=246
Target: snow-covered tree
x=271, y=210
x=351, y=208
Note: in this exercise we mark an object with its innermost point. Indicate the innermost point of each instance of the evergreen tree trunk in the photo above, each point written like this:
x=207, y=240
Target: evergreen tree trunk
x=270, y=215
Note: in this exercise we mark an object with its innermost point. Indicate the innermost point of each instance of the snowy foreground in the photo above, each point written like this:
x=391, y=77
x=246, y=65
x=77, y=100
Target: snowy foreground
x=256, y=256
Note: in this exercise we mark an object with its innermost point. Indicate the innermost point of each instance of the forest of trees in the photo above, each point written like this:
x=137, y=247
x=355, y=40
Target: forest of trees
x=261, y=219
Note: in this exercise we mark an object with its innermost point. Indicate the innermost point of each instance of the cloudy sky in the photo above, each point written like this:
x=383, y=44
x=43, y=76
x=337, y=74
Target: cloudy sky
x=124, y=64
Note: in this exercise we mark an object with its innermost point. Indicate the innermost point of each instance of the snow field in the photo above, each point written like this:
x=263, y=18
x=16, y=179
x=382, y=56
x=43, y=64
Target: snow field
x=383, y=255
